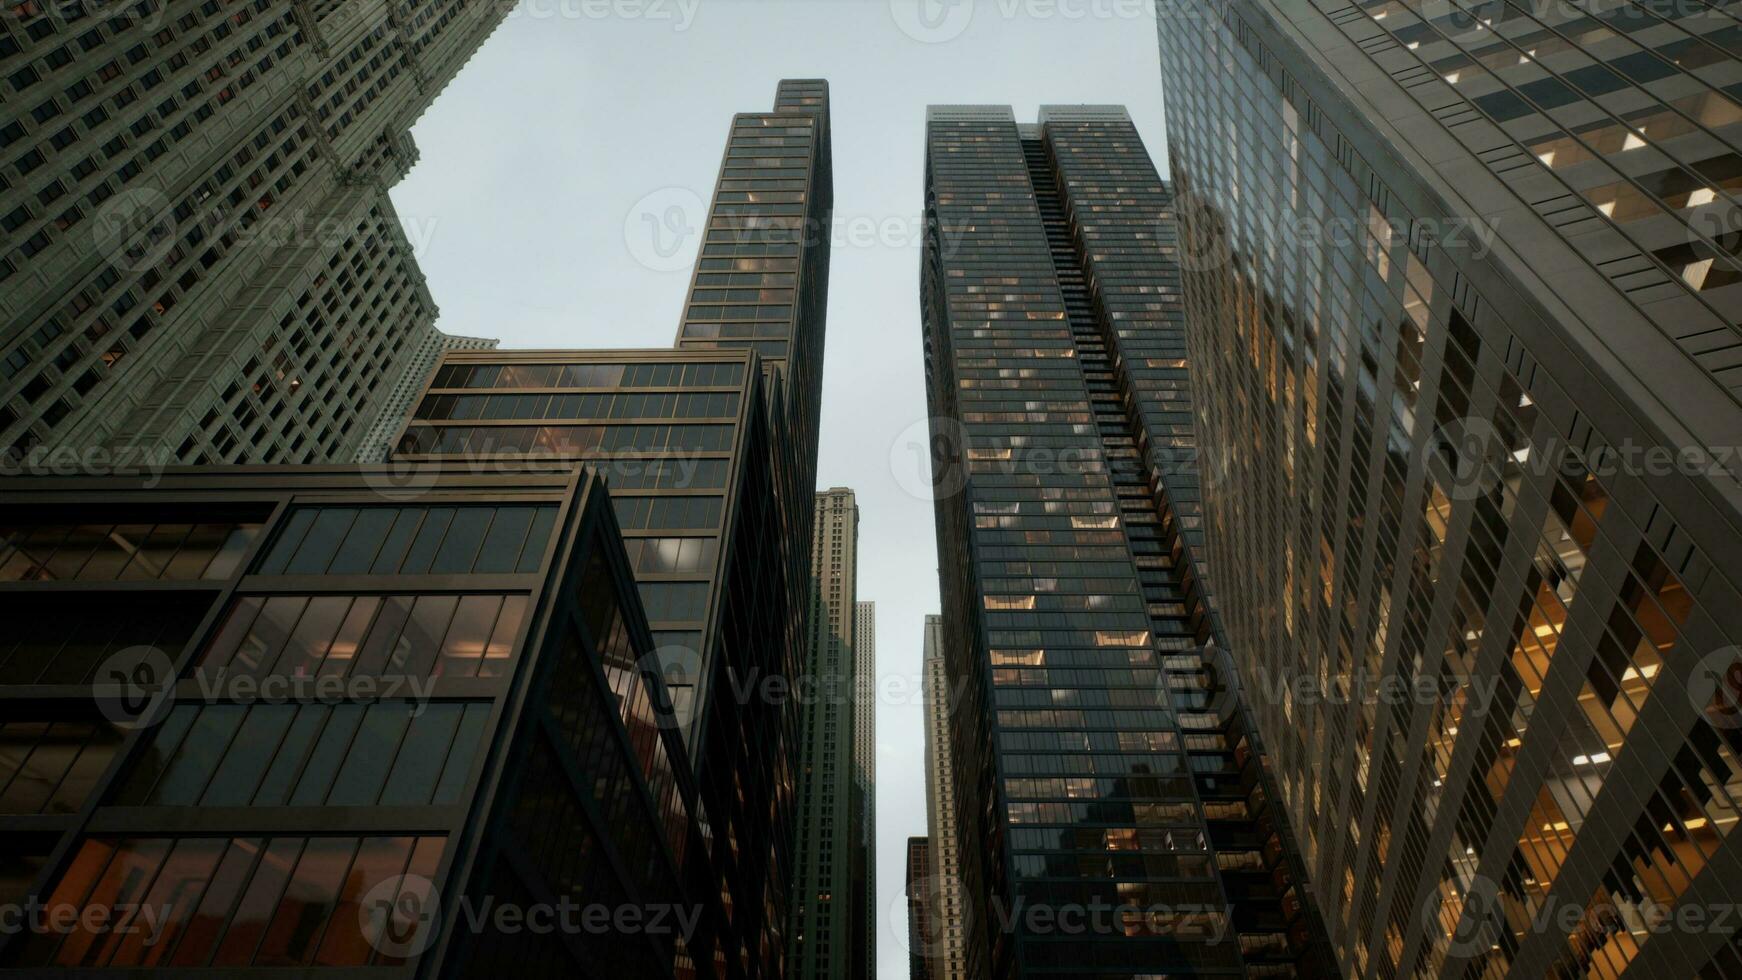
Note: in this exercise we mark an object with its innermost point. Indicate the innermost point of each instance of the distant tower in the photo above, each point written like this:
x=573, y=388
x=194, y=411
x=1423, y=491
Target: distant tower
x=943, y=938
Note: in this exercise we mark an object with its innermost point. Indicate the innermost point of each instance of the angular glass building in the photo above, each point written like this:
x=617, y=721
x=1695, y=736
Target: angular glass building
x=1114, y=814
x=262, y=719
x=709, y=449
x=1462, y=292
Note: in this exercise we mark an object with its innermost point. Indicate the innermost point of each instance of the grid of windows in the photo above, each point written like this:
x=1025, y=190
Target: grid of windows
x=1424, y=486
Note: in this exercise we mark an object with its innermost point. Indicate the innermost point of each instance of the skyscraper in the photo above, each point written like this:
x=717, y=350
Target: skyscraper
x=1102, y=768
x=703, y=446
x=829, y=908
x=1461, y=284
x=919, y=914
x=198, y=256
x=942, y=935
x=865, y=785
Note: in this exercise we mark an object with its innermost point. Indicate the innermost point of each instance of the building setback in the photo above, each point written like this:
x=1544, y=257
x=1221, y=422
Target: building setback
x=1101, y=762
x=1437, y=472
x=942, y=903
x=198, y=258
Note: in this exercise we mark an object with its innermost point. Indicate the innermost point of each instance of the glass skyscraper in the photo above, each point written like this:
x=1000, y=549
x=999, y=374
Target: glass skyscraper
x=1462, y=292
x=1104, y=775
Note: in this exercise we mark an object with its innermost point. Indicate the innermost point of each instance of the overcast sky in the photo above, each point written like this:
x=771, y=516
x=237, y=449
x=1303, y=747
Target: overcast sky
x=565, y=171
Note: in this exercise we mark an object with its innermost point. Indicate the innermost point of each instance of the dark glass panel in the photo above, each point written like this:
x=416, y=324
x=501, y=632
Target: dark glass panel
x=235, y=629
x=190, y=769
x=468, y=635
x=342, y=655
x=428, y=541
x=70, y=892
x=150, y=763
x=424, y=858
x=500, y=649
x=416, y=651
x=467, y=739
x=171, y=901
x=404, y=531
x=253, y=749
x=383, y=637
x=229, y=556
x=123, y=882
x=206, y=925
x=287, y=761
x=371, y=755
x=322, y=543
x=378, y=859
x=295, y=932
x=314, y=633
x=97, y=752
x=267, y=636
x=537, y=540
x=328, y=755
x=357, y=554
x=460, y=547
x=502, y=546
x=155, y=551
x=418, y=766
x=258, y=903
x=290, y=536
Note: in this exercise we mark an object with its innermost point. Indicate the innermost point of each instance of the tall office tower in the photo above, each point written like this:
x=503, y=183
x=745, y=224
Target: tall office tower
x=865, y=782
x=1100, y=762
x=198, y=255
x=943, y=935
x=402, y=398
x=1489, y=457
x=701, y=460
x=919, y=914
x=830, y=874
x=389, y=718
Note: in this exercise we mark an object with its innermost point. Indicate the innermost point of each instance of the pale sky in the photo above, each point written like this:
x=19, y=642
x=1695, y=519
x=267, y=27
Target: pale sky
x=565, y=170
